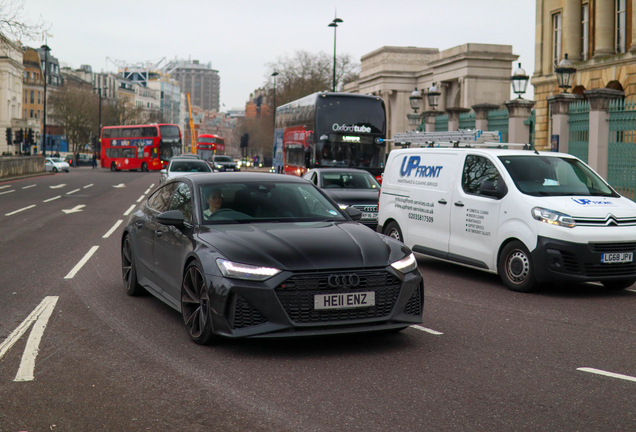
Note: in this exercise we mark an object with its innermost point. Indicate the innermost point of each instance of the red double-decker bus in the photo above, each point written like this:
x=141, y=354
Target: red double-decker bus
x=144, y=147
x=208, y=145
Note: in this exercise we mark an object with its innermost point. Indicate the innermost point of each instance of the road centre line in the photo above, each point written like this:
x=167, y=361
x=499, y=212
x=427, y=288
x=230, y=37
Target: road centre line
x=112, y=230
x=141, y=198
x=147, y=190
x=72, y=192
x=52, y=199
x=132, y=207
x=81, y=263
x=427, y=330
x=87, y=186
x=29, y=186
x=5, y=186
x=18, y=211
x=6, y=192
x=608, y=374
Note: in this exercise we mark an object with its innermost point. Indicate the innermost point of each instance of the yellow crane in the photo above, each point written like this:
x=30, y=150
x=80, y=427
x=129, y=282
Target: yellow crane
x=192, y=137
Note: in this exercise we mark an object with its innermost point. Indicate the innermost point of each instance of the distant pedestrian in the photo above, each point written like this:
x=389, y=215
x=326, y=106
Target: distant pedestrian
x=77, y=159
x=94, y=160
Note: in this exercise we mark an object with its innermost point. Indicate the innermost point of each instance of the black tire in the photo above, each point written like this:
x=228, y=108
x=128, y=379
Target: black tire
x=54, y=169
x=144, y=167
x=129, y=271
x=393, y=230
x=113, y=166
x=618, y=284
x=516, y=269
x=196, y=307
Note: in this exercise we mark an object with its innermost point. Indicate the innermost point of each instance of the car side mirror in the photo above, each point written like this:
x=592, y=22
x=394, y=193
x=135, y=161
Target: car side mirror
x=164, y=171
x=171, y=217
x=353, y=213
x=488, y=188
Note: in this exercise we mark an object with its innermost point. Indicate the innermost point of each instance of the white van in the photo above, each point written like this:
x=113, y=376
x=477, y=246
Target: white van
x=529, y=216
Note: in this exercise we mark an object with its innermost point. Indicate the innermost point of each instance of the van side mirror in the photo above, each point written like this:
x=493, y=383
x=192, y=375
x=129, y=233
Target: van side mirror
x=488, y=188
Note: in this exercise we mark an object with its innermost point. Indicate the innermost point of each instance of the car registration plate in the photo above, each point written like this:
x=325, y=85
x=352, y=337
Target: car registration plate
x=369, y=215
x=229, y=169
x=344, y=300
x=624, y=257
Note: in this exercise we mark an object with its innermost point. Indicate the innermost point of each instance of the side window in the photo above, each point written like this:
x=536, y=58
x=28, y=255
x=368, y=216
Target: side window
x=160, y=200
x=478, y=170
x=182, y=200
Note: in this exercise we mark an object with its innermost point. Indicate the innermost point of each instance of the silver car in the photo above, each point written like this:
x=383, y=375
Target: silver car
x=56, y=164
x=179, y=167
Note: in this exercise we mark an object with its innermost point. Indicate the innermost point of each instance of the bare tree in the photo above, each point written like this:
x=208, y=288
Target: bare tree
x=75, y=108
x=121, y=112
x=14, y=23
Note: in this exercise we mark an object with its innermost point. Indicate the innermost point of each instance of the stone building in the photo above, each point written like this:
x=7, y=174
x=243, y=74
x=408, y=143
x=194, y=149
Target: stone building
x=200, y=80
x=466, y=75
x=599, y=37
x=33, y=92
x=11, y=76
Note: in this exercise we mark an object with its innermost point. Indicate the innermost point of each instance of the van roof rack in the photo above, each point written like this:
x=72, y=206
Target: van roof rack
x=463, y=138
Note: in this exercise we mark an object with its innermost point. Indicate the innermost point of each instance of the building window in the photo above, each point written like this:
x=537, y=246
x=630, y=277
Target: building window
x=556, y=39
x=25, y=96
x=620, y=26
x=32, y=99
x=585, y=30
x=31, y=113
x=39, y=100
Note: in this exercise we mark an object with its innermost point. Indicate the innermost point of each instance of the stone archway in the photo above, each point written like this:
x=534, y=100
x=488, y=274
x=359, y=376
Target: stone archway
x=578, y=90
x=614, y=85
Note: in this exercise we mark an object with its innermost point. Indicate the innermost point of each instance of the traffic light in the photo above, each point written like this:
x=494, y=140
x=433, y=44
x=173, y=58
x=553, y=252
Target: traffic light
x=245, y=139
x=30, y=139
x=9, y=136
x=19, y=136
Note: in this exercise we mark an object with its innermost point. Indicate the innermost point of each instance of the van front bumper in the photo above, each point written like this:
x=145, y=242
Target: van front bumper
x=562, y=261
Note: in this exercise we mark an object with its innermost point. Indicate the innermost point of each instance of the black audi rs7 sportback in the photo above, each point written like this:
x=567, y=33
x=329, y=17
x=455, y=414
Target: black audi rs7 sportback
x=266, y=255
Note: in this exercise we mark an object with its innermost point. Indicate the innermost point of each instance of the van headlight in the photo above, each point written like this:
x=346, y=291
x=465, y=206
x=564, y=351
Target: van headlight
x=406, y=265
x=244, y=271
x=553, y=217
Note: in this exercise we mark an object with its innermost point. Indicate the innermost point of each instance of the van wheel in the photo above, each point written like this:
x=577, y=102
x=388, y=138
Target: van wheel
x=393, y=230
x=516, y=269
x=618, y=284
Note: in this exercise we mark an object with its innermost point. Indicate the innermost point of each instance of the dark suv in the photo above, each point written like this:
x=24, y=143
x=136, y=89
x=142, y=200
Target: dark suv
x=223, y=163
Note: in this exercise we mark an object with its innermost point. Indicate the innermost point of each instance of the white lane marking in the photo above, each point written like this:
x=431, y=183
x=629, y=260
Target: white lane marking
x=53, y=199
x=58, y=186
x=608, y=374
x=27, y=365
x=5, y=186
x=120, y=185
x=87, y=186
x=41, y=314
x=6, y=192
x=18, y=211
x=76, y=209
x=81, y=263
x=73, y=191
x=147, y=190
x=151, y=186
x=427, y=330
x=141, y=198
x=132, y=207
x=112, y=230
x=29, y=186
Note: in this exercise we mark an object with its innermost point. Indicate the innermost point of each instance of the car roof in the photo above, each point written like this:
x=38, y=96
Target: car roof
x=206, y=178
x=341, y=170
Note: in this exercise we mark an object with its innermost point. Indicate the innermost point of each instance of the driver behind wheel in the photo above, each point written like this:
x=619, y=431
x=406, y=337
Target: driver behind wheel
x=215, y=201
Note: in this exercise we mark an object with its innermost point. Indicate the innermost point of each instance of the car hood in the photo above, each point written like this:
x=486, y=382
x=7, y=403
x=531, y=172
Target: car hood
x=353, y=196
x=586, y=206
x=304, y=245
x=225, y=163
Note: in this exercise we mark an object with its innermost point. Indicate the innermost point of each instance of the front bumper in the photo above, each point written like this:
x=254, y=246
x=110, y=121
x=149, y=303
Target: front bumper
x=563, y=261
x=283, y=305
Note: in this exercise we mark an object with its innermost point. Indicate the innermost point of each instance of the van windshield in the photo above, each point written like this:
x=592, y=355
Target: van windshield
x=554, y=176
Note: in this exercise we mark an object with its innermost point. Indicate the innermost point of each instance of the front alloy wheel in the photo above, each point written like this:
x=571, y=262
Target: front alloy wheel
x=195, y=306
x=129, y=271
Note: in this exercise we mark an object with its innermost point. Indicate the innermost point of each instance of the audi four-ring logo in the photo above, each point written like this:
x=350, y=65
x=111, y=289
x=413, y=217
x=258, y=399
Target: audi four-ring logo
x=346, y=280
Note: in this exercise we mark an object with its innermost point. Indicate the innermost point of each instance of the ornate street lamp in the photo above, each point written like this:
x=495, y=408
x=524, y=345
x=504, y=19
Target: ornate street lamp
x=334, y=24
x=433, y=96
x=275, y=74
x=519, y=81
x=565, y=74
x=46, y=66
x=99, y=132
x=415, y=100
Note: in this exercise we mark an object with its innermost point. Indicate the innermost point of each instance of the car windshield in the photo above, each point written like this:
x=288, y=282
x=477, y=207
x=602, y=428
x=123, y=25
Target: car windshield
x=189, y=166
x=348, y=180
x=57, y=160
x=223, y=159
x=554, y=176
x=253, y=202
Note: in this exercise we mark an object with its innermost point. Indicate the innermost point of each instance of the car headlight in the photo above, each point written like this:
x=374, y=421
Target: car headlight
x=406, y=265
x=244, y=271
x=218, y=166
x=553, y=217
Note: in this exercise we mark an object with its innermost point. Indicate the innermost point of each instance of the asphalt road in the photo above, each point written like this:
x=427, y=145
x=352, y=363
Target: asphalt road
x=485, y=358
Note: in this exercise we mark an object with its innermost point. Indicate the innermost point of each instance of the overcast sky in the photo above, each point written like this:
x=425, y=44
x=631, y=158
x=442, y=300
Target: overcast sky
x=239, y=37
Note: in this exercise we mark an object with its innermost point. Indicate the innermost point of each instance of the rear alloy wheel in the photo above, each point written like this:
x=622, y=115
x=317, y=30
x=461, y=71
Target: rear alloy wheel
x=144, y=167
x=129, y=271
x=618, y=284
x=516, y=269
x=195, y=306
x=393, y=230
